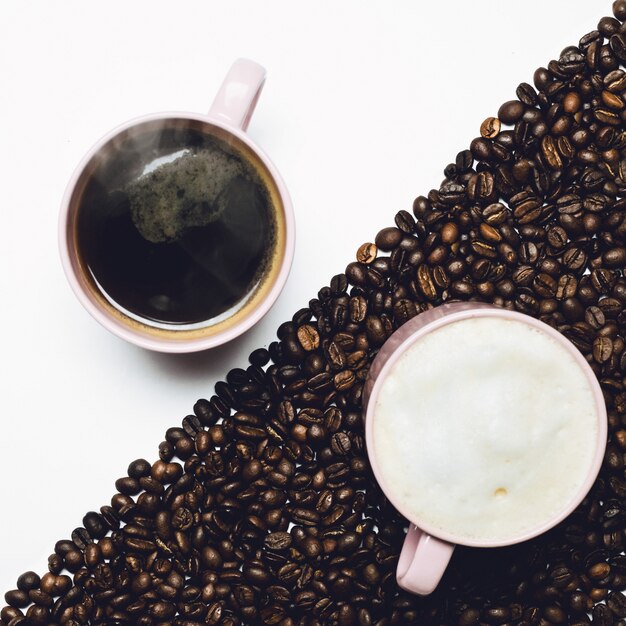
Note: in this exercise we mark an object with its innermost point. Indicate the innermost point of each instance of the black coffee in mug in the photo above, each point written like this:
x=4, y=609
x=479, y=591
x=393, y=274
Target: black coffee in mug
x=176, y=231
x=176, y=226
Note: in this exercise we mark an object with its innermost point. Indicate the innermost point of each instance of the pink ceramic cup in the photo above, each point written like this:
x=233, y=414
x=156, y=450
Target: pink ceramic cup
x=228, y=119
x=427, y=551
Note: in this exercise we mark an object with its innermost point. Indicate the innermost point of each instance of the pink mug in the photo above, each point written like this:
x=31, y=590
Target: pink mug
x=227, y=121
x=427, y=549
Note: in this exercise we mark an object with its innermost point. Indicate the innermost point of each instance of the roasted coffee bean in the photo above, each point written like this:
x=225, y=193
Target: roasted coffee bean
x=405, y=222
x=344, y=380
x=308, y=337
x=619, y=9
x=304, y=516
x=617, y=603
x=333, y=419
x=469, y=617
x=574, y=258
x=358, y=309
x=485, y=186
x=550, y=153
x=618, y=46
x=139, y=545
x=278, y=541
x=426, y=283
x=356, y=273
x=40, y=598
x=523, y=275
x=338, y=284
x=566, y=287
x=316, y=435
x=366, y=253
x=615, y=257
x=37, y=615
x=8, y=614
x=545, y=285
x=388, y=238
x=139, y=468
x=527, y=211
x=511, y=111
x=29, y=580
x=95, y=525
x=256, y=575
x=128, y=486
x=17, y=598
x=595, y=317
x=340, y=444
x=526, y=94
x=449, y=233
x=211, y=558
x=602, y=280
x=490, y=127
x=602, y=615
x=81, y=537
x=375, y=330
x=602, y=349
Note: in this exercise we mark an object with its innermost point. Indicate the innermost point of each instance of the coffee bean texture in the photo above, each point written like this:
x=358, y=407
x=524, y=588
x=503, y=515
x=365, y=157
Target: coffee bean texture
x=261, y=507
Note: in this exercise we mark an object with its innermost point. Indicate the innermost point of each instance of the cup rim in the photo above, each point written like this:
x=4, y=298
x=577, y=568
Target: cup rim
x=187, y=345
x=461, y=311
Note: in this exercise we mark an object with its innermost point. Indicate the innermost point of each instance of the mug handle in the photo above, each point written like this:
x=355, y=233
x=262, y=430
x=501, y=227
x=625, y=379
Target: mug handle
x=423, y=560
x=237, y=97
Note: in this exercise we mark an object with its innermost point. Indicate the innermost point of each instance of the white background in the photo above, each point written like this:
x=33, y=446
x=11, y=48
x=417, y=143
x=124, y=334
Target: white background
x=364, y=105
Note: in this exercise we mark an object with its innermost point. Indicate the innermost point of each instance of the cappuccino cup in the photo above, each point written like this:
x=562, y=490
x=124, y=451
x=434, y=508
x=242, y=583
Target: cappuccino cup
x=484, y=427
x=176, y=231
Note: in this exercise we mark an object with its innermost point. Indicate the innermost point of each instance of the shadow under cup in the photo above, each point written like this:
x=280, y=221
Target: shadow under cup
x=176, y=234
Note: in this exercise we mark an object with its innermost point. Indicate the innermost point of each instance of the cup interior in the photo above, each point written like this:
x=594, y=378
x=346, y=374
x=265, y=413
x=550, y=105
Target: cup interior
x=142, y=150
x=415, y=330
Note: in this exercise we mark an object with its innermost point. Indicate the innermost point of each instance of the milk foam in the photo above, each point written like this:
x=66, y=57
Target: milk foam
x=485, y=428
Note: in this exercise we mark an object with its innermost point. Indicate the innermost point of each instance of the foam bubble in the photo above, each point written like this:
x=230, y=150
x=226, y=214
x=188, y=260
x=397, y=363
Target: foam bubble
x=182, y=191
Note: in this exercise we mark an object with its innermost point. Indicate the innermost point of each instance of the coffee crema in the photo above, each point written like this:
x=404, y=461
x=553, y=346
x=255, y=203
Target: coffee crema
x=178, y=228
x=484, y=429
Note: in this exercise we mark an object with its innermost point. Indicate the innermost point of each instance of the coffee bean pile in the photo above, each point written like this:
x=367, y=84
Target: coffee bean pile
x=262, y=508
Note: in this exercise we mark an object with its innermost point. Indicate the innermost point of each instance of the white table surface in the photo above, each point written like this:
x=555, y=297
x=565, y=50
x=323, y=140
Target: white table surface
x=365, y=103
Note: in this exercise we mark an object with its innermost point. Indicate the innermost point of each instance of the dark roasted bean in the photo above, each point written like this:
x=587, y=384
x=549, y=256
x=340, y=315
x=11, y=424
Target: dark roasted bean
x=256, y=575
x=375, y=330
x=17, y=598
x=511, y=111
x=615, y=257
x=95, y=525
x=388, y=238
x=526, y=94
x=405, y=222
x=29, y=580
x=617, y=603
x=81, y=537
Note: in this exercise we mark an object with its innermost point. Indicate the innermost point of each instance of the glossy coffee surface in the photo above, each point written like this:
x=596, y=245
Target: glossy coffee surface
x=174, y=225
